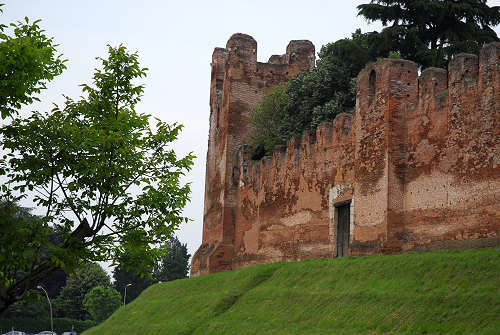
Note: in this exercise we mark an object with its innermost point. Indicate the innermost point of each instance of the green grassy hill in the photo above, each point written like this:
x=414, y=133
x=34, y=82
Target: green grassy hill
x=453, y=292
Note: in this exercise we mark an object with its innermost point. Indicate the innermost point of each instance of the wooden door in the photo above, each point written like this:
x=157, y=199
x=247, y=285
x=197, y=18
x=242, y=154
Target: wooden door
x=343, y=226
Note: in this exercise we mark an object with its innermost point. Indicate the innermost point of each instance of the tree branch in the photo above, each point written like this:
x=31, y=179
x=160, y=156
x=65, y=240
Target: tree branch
x=51, y=187
x=70, y=201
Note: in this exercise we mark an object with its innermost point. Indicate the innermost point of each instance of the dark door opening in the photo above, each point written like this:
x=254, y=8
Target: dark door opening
x=343, y=227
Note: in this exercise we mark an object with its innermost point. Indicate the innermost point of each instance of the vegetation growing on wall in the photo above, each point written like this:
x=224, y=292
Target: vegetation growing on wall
x=427, y=32
x=316, y=96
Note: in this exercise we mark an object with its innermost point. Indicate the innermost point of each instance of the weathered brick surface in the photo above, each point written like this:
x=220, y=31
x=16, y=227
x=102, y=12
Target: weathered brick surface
x=419, y=159
x=237, y=84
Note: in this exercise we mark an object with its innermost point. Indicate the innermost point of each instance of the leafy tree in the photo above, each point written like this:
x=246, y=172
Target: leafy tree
x=101, y=302
x=82, y=281
x=355, y=52
x=28, y=59
x=21, y=233
x=174, y=264
x=429, y=32
x=109, y=184
x=27, y=309
x=266, y=119
x=138, y=283
x=13, y=216
x=316, y=96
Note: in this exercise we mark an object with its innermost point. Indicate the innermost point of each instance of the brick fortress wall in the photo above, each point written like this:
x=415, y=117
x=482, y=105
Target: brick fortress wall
x=419, y=160
x=238, y=83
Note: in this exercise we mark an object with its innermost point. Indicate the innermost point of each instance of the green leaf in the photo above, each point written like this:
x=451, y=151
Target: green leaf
x=99, y=173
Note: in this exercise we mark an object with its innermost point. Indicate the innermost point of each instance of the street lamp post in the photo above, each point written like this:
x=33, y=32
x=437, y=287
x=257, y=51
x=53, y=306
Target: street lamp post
x=125, y=294
x=50, y=305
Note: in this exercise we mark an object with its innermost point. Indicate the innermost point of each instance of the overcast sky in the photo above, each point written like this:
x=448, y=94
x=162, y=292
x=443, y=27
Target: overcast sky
x=175, y=40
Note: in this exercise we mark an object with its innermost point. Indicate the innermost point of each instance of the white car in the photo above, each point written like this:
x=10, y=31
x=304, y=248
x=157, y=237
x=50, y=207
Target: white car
x=15, y=332
x=46, y=332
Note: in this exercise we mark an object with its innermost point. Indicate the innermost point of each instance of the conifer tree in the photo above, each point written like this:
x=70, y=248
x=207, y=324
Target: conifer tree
x=429, y=32
x=174, y=264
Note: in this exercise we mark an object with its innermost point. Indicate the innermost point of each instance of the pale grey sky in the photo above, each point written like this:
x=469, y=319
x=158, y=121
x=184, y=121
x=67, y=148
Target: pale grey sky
x=175, y=40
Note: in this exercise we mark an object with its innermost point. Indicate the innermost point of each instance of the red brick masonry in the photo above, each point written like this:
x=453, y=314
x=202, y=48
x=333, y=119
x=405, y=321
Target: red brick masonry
x=419, y=160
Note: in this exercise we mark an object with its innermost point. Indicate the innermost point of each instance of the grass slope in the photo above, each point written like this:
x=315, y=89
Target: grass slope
x=452, y=292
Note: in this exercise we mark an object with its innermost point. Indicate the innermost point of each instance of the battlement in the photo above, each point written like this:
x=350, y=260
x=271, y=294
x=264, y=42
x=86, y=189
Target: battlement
x=415, y=167
x=327, y=141
x=464, y=72
x=300, y=53
x=396, y=78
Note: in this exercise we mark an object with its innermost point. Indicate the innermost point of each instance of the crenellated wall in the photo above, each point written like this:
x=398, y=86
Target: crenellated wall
x=452, y=174
x=417, y=165
x=283, y=200
x=238, y=83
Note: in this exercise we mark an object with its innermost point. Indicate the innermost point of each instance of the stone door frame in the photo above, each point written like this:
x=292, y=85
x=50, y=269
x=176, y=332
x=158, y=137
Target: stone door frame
x=339, y=195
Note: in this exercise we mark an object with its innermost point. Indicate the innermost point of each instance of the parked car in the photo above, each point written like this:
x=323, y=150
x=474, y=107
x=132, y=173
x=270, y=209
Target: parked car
x=46, y=332
x=15, y=332
x=69, y=333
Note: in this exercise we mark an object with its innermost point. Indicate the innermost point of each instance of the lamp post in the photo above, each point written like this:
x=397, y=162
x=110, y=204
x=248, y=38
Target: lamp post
x=125, y=294
x=50, y=305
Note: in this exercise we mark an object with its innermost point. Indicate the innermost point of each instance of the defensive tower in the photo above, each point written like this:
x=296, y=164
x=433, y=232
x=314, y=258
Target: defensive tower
x=237, y=85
